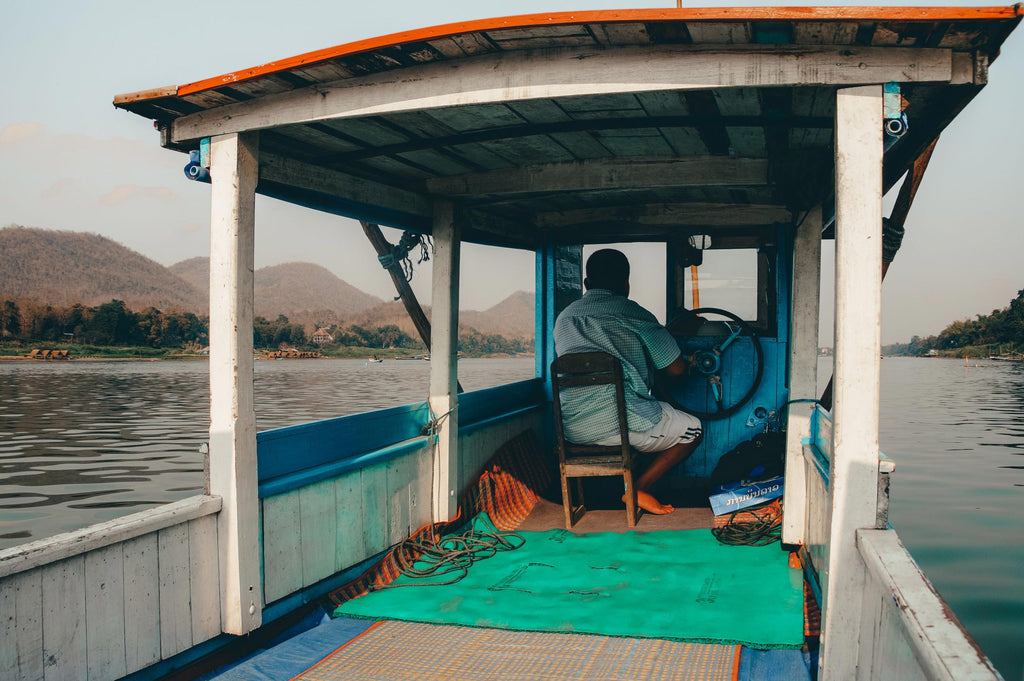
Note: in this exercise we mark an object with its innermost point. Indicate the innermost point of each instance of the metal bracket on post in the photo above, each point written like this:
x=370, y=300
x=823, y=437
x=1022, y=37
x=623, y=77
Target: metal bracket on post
x=198, y=167
x=893, y=104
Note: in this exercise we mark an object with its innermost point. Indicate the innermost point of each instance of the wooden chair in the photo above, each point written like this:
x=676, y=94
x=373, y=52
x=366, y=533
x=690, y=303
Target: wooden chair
x=581, y=461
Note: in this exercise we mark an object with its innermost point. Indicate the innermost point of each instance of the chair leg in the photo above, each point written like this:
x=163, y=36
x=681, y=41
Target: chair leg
x=633, y=510
x=566, y=499
x=578, y=512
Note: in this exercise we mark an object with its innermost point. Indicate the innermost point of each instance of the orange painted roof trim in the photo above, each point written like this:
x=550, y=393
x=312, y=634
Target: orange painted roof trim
x=614, y=16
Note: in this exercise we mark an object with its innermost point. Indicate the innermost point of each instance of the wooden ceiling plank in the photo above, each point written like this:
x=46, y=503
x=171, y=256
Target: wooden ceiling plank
x=663, y=103
x=209, y=99
x=473, y=44
x=606, y=174
x=325, y=72
x=469, y=119
x=621, y=34
x=824, y=32
x=738, y=101
x=547, y=75
x=582, y=145
x=639, y=142
x=527, y=149
x=448, y=47
x=539, y=111
x=747, y=141
x=724, y=33
x=685, y=141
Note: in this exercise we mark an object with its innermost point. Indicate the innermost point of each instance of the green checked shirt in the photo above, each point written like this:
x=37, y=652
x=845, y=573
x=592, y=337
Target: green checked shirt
x=602, y=321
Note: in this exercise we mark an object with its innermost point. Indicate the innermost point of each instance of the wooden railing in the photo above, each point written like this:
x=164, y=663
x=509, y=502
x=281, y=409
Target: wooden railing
x=909, y=633
x=108, y=600
x=915, y=634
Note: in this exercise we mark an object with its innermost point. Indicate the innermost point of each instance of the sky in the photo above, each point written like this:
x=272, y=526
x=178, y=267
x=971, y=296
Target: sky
x=70, y=161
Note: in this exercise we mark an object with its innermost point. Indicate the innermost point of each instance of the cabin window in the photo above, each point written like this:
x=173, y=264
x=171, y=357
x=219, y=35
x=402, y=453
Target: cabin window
x=727, y=279
x=738, y=275
x=496, y=316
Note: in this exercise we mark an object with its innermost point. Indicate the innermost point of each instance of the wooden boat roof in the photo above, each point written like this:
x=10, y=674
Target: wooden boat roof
x=588, y=126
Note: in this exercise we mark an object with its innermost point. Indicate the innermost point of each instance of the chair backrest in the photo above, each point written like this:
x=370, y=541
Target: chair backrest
x=586, y=369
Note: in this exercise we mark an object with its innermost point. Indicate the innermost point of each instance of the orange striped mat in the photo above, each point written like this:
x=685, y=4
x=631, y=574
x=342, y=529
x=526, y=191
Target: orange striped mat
x=429, y=652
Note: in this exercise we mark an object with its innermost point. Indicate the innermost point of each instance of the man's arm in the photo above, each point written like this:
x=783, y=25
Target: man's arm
x=665, y=378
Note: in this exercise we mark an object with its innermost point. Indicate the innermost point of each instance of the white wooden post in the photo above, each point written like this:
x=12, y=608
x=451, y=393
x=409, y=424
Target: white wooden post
x=444, y=344
x=233, y=477
x=803, y=372
x=854, y=465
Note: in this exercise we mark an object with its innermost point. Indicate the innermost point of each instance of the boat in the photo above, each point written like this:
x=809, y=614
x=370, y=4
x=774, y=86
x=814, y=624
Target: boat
x=755, y=131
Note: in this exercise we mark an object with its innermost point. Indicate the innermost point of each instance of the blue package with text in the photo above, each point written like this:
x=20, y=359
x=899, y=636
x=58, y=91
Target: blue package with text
x=733, y=496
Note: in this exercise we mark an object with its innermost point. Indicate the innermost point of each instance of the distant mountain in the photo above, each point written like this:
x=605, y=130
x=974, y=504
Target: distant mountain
x=63, y=268
x=303, y=292
x=512, y=317
x=196, y=271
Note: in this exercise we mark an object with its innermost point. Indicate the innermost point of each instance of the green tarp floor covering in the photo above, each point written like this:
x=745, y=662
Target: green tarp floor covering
x=676, y=585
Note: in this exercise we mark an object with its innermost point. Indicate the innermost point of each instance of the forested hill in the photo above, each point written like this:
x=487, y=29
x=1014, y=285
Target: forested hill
x=301, y=291
x=63, y=268
x=1000, y=331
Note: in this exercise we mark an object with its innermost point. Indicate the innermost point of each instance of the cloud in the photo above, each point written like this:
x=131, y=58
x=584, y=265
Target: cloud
x=17, y=132
x=60, y=188
x=123, y=193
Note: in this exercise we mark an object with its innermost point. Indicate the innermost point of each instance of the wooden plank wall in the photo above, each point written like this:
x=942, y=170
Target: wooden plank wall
x=113, y=610
x=316, y=531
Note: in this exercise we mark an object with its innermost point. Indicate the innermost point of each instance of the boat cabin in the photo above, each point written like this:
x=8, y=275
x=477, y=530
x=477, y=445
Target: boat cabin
x=735, y=139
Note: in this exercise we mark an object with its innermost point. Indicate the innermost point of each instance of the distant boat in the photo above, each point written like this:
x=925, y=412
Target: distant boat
x=1007, y=357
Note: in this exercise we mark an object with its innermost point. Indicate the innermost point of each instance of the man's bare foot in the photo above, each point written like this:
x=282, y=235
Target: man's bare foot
x=650, y=504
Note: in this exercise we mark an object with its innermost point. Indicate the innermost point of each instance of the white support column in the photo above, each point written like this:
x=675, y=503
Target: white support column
x=444, y=393
x=854, y=465
x=233, y=476
x=803, y=370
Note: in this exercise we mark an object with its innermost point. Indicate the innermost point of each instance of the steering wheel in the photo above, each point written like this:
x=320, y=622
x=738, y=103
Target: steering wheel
x=707, y=362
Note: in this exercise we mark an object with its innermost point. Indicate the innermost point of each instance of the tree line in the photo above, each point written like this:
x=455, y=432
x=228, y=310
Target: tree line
x=1000, y=328
x=114, y=324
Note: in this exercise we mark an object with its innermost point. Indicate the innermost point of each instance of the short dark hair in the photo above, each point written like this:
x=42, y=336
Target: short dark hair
x=608, y=269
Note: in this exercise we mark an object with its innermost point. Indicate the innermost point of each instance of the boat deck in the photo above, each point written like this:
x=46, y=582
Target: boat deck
x=357, y=649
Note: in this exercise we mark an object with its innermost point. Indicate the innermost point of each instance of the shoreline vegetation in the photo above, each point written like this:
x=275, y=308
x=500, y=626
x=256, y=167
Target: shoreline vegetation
x=999, y=333
x=111, y=331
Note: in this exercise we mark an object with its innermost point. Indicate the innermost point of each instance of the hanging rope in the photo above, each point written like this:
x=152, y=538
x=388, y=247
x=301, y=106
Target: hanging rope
x=399, y=255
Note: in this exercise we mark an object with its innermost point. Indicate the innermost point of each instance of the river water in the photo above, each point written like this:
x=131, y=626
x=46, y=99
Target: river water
x=82, y=442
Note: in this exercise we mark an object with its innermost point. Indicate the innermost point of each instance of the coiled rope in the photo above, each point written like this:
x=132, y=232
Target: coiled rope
x=762, y=529
x=430, y=555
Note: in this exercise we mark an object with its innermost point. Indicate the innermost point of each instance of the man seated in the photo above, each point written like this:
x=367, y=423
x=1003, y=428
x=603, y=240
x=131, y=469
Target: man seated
x=605, y=320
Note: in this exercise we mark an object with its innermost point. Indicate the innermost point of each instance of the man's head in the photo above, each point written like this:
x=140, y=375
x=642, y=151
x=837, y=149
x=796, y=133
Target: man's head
x=608, y=269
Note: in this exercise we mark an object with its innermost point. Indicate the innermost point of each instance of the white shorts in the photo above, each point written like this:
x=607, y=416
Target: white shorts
x=675, y=428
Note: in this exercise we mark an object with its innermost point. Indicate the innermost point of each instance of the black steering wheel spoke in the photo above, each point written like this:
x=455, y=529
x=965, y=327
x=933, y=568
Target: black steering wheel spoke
x=708, y=362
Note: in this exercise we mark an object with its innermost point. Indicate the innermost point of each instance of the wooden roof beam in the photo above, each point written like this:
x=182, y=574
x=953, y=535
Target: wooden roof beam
x=345, y=188
x=567, y=73
x=670, y=214
x=600, y=174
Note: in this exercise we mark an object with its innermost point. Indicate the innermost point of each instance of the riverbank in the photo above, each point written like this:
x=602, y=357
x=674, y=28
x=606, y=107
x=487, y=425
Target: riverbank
x=93, y=353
